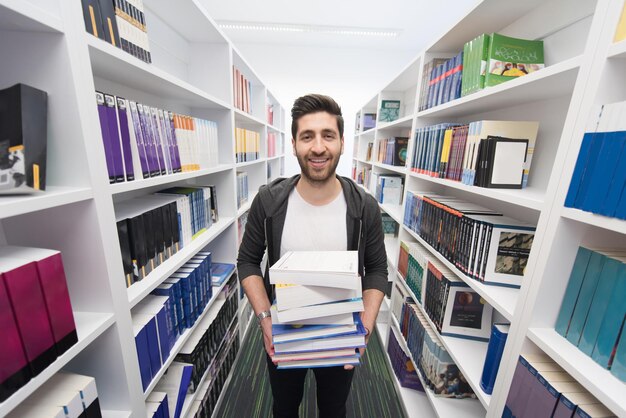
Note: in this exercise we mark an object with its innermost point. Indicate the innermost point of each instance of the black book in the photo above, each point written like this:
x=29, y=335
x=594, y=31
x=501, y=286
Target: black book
x=23, y=139
x=109, y=23
x=159, y=240
x=175, y=227
x=505, y=162
x=92, y=18
x=138, y=250
x=123, y=235
x=167, y=230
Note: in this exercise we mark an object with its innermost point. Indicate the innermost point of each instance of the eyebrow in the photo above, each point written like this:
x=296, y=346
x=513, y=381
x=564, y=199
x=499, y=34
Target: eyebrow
x=310, y=131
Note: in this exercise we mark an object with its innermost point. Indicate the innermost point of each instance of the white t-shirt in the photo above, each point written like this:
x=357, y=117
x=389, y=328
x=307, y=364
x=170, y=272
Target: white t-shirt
x=314, y=228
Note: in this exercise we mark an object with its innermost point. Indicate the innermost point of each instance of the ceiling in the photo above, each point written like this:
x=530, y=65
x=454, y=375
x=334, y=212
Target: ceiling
x=420, y=21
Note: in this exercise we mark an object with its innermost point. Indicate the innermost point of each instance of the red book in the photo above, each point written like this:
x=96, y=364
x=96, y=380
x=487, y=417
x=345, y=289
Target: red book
x=29, y=307
x=14, y=370
x=54, y=286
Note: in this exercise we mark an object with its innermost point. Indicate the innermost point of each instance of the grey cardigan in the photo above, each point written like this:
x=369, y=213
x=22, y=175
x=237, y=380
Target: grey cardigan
x=266, y=220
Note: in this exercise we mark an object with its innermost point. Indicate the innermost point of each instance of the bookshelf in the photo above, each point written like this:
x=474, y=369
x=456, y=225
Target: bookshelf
x=583, y=68
x=191, y=73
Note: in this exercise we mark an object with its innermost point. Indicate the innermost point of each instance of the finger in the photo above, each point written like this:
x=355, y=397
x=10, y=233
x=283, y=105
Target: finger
x=348, y=367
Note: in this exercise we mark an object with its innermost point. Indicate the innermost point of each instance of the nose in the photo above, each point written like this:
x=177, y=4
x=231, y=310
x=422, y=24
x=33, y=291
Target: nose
x=318, y=146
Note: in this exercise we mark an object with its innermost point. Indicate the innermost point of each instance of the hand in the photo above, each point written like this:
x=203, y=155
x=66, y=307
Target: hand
x=266, y=328
x=361, y=351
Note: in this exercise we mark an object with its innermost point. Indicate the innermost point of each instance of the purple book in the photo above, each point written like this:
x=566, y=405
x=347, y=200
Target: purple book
x=176, y=155
x=122, y=117
x=545, y=393
x=167, y=141
x=158, y=141
x=14, y=370
x=153, y=165
x=139, y=140
x=114, y=137
x=29, y=307
x=106, y=141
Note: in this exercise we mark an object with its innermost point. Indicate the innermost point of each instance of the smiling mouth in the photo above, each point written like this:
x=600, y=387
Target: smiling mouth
x=318, y=162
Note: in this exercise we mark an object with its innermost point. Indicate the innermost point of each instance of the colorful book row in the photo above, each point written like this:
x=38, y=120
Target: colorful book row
x=242, y=89
x=247, y=145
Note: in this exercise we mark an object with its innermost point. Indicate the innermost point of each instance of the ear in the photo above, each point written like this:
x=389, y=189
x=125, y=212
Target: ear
x=293, y=146
x=342, y=143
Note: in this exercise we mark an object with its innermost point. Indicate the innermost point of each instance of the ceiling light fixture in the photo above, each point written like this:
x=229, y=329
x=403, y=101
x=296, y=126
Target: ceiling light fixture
x=283, y=27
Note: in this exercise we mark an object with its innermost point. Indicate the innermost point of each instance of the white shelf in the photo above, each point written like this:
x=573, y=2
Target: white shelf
x=368, y=132
x=52, y=197
x=276, y=157
x=113, y=64
x=274, y=128
x=554, y=81
x=115, y=414
x=182, y=340
x=617, y=50
x=395, y=211
x=404, y=122
x=138, y=184
x=395, y=168
x=20, y=15
x=503, y=299
x=469, y=355
x=598, y=381
x=89, y=326
x=605, y=222
x=243, y=118
x=139, y=290
x=444, y=407
x=247, y=163
x=392, y=249
x=529, y=197
x=363, y=161
x=246, y=206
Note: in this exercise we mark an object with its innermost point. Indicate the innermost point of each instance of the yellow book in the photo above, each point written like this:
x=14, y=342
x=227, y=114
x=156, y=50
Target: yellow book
x=445, y=153
x=620, y=33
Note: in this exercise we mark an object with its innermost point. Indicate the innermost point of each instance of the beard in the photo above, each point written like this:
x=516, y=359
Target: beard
x=318, y=176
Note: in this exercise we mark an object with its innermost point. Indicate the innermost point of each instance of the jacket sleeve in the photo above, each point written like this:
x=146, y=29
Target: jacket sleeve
x=253, y=243
x=375, y=257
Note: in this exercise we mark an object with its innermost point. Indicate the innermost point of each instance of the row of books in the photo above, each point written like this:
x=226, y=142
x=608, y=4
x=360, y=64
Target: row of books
x=162, y=317
x=121, y=23
x=23, y=139
x=451, y=305
x=368, y=153
x=541, y=388
x=154, y=227
x=393, y=150
x=247, y=145
x=480, y=242
x=402, y=365
x=242, y=89
x=157, y=405
x=315, y=320
x=241, y=227
x=173, y=387
x=209, y=336
x=484, y=153
x=487, y=60
x=387, y=188
x=213, y=388
x=64, y=395
x=361, y=176
x=154, y=142
x=242, y=188
x=369, y=121
x=599, y=177
x=437, y=368
x=444, y=81
x=274, y=144
x=269, y=107
x=35, y=312
x=593, y=309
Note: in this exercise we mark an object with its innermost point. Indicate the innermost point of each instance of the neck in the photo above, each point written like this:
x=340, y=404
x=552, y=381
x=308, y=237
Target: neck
x=319, y=193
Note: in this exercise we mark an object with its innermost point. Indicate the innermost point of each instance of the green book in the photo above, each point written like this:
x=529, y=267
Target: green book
x=389, y=110
x=509, y=58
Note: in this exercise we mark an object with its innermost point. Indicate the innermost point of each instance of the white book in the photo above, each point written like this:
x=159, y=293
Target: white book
x=326, y=362
x=305, y=312
x=350, y=341
x=290, y=296
x=36, y=411
x=318, y=268
x=343, y=352
x=339, y=319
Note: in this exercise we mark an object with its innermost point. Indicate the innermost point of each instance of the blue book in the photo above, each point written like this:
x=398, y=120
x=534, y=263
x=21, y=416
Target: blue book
x=597, y=310
x=205, y=268
x=178, y=303
x=572, y=291
x=499, y=333
x=163, y=333
x=585, y=297
x=285, y=332
x=620, y=210
x=143, y=352
x=612, y=322
x=188, y=297
x=167, y=289
x=182, y=390
x=618, y=368
x=593, y=161
x=196, y=287
x=154, y=352
x=616, y=185
x=611, y=148
x=197, y=270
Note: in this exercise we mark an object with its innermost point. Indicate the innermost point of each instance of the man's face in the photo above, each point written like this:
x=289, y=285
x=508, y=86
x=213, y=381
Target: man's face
x=318, y=146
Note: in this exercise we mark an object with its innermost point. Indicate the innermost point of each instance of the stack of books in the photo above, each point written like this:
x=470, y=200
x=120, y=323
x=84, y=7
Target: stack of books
x=315, y=320
x=247, y=145
x=593, y=308
x=392, y=150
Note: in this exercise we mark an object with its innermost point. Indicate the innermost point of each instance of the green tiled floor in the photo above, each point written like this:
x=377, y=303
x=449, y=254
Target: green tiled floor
x=249, y=395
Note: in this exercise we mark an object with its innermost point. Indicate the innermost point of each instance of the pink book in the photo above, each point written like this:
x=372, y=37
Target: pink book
x=14, y=370
x=54, y=286
x=29, y=307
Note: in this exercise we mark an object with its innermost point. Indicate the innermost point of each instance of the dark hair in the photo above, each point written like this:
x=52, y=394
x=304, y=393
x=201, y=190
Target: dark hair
x=313, y=103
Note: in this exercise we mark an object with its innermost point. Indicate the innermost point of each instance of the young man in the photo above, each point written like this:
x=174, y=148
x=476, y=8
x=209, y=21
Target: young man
x=315, y=210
